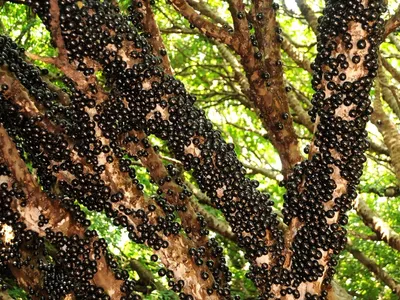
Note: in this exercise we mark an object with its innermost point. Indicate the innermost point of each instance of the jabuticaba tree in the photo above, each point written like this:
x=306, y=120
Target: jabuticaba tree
x=74, y=148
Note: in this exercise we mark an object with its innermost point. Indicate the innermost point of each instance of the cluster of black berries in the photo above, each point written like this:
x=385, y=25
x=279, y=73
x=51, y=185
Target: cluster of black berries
x=50, y=149
x=142, y=97
x=126, y=109
x=50, y=154
x=321, y=190
x=74, y=261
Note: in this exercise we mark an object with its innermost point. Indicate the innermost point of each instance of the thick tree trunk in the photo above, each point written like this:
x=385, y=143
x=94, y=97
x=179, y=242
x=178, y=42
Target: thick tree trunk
x=58, y=218
x=333, y=153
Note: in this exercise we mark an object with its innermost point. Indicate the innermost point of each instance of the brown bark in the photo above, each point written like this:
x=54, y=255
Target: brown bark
x=27, y=275
x=295, y=104
x=150, y=26
x=179, y=261
x=269, y=95
x=206, y=27
x=153, y=163
x=335, y=291
x=304, y=119
x=276, y=74
x=156, y=168
x=172, y=191
x=152, y=160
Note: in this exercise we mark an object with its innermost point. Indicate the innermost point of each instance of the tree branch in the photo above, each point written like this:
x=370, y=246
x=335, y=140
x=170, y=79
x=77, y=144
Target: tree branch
x=389, y=94
x=370, y=218
x=391, y=135
x=205, y=10
x=206, y=27
x=395, y=41
x=339, y=187
x=114, y=179
x=373, y=267
x=150, y=26
x=391, y=69
x=309, y=14
x=236, y=67
x=296, y=56
x=393, y=23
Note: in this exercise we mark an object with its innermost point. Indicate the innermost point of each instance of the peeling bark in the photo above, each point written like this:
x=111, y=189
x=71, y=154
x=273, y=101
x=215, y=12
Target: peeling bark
x=353, y=73
x=206, y=27
x=271, y=101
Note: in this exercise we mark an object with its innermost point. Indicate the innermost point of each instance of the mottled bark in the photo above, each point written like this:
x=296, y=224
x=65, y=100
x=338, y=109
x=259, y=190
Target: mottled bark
x=158, y=172
x=206, y=27
x=284, y=139
x=302, y=116
x=178, y=261
x=335, y=291
x=267, y=94
x=354, y=72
